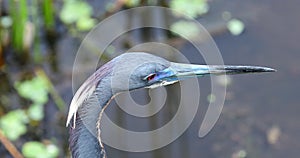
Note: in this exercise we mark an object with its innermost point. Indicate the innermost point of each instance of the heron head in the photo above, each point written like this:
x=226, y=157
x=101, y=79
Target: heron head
x=142, y=70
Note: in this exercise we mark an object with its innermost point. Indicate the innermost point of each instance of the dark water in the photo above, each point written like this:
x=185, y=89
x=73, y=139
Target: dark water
x=270, y=39
x=258, y=104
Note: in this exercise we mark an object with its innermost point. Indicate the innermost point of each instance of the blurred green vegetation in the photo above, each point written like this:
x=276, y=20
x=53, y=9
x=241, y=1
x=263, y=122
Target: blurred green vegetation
x=190, y=31
x=40, y=150
x=19, y=15
x=193, y=8
x=235, y=26
x=81, y=14
x=38, y=97
x=13, y=124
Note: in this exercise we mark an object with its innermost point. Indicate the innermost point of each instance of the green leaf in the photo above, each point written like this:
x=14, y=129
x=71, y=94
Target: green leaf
x=236, y=27
x=33, y=149
x=48, y=13
x=36, y=149
x=19, y=13
x=211, y=98
x=13, y=124
x=52, y=150
x=132, y=3
x=35, y=89
x=73, y=10
x=85, y=23
x=185, y=28
x=192, y=8
x=5, y=21
x=36, y=112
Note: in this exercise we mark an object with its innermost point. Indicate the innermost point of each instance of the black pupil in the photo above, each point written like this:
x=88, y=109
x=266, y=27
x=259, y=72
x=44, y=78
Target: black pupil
x=151, y=77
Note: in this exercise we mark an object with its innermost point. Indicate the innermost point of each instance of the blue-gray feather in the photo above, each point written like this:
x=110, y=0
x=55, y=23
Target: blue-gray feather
x=83, y=137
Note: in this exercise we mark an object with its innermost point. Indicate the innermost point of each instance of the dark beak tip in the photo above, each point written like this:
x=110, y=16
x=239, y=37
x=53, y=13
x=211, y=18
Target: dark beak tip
x=268, y=70
x=261, y=69
x=247, y=69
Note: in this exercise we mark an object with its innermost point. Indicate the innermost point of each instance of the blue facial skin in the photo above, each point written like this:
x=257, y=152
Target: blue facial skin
x=165, y=75
x=171, y=75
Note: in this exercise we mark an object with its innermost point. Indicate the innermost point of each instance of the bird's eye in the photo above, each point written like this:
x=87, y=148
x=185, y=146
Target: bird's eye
x=150, y=77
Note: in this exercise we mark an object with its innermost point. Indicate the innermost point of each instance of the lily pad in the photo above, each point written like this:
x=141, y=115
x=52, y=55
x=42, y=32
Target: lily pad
x=35, y=89
x=36, y=112
x=73, y=10
x=132, y=3
x=236, y=27
x=85, y=23
x=36, y=149
x=192, y=8
x=185, y=28
x=13, y=124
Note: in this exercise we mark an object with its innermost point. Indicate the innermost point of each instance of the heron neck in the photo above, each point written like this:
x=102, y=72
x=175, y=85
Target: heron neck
x=83, y=138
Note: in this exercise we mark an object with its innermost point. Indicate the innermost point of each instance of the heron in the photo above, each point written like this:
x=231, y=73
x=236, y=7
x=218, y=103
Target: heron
x=127, y=72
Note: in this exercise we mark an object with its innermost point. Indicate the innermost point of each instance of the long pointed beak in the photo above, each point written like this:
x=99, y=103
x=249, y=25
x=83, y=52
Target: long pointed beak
x=182, y=71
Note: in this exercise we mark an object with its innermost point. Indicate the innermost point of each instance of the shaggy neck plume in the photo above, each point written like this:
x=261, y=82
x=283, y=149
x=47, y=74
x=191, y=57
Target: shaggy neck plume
x=85, y=136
